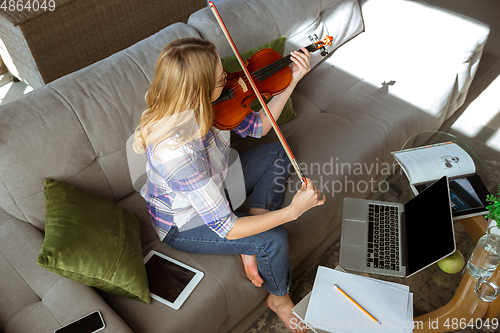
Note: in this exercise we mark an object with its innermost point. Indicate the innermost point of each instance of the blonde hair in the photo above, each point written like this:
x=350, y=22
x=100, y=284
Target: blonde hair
x=179, y=99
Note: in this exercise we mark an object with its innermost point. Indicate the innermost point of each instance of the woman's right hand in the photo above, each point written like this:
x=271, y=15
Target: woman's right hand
x=307, y=197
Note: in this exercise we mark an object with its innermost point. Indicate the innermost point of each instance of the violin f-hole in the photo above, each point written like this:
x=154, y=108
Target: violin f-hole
x=245, y=105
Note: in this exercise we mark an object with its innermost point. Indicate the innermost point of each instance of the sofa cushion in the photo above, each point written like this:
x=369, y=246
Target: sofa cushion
x=75, y=129
x=216, y=300
x=34, y=299
x=431, y=63
x=254, y=22
x=4, y=217
x=93, y=241
x=145, y=53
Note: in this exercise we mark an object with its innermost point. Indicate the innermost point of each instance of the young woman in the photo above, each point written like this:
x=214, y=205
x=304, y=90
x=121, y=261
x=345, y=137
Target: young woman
x=188, y=161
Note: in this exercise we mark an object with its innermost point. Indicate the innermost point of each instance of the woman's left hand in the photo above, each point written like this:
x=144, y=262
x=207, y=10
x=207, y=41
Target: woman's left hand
x=300, y=66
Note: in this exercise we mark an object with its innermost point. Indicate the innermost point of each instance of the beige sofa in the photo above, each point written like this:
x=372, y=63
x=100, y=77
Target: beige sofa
x=396, y=68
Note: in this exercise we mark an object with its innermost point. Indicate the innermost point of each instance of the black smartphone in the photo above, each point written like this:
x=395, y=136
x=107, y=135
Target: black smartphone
x=89, y=324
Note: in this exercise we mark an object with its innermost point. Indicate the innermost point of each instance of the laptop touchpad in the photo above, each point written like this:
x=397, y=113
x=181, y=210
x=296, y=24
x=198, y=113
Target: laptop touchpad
x=354, y=232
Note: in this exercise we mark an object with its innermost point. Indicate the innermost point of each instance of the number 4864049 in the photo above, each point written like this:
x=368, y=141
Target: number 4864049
x=30, y=5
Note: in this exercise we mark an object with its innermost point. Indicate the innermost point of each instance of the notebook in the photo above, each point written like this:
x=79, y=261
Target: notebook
x=394, y=239
x=325, y=309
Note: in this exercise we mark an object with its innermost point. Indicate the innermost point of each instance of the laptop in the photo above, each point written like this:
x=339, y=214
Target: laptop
x=394, y=239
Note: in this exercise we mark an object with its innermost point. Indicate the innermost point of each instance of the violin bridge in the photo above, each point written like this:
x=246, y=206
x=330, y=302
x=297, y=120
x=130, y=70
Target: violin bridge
x=243, y=85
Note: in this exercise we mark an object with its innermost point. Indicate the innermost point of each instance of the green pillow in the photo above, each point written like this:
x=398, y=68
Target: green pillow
x=93, y=241
x=231, y=65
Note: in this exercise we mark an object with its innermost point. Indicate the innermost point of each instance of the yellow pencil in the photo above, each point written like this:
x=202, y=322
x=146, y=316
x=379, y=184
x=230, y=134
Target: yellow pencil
x=355, y=303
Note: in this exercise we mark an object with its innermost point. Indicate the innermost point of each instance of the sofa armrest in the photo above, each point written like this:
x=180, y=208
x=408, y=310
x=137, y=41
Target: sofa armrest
x=255, y=22
x=34, y=299
x=416, y=43
x=434, y=34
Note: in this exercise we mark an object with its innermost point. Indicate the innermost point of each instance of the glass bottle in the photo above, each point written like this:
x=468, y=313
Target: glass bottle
x=486, y=255
x=485, y=292
x=494, y=308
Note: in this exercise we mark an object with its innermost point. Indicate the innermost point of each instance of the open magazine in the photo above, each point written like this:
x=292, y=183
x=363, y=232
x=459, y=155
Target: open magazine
x=424, y=165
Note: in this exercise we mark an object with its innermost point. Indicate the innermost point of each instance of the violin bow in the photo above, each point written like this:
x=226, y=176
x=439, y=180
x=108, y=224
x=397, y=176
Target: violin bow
x=283, y=142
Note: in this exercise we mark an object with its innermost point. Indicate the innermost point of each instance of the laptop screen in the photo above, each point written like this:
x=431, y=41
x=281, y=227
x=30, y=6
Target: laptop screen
x=429, y=226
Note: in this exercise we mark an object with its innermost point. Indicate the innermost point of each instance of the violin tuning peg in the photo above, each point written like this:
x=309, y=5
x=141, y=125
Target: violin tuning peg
x=313, y=38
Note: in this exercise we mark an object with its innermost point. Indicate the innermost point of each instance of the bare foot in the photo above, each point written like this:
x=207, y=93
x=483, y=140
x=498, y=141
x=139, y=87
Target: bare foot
x=282, y=306
x=251, y=269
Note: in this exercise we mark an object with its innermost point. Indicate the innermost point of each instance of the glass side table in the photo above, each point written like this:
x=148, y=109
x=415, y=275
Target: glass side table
x=454, y=315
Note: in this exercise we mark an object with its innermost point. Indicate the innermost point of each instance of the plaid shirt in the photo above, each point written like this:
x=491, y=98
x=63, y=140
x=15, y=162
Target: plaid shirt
x=187, y=181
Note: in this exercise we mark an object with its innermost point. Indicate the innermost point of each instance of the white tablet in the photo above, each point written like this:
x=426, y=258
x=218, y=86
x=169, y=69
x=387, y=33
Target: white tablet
x=170, y=281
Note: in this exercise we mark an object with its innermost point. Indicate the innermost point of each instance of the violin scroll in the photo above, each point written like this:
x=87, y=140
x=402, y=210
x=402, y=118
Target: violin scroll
x=321, y=44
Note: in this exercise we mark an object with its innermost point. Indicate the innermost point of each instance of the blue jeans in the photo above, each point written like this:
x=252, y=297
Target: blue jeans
x=265, y=169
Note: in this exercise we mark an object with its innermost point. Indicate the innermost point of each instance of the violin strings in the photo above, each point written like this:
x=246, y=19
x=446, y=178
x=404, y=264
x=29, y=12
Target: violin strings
x=270, y=69
x=237, y=88
x=265, y=72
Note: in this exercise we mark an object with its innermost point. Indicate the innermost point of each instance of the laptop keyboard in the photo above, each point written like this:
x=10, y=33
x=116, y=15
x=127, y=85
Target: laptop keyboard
x=383, y=244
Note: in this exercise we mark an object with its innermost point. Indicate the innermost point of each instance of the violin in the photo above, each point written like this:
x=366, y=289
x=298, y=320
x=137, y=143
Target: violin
x=272, y=75
x=248, y=80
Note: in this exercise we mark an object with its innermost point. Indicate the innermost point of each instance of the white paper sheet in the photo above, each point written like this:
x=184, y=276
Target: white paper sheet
x=409, y=315
x=331, y=311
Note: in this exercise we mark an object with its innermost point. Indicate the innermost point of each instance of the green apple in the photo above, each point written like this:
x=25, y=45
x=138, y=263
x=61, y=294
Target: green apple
x=453, y=263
